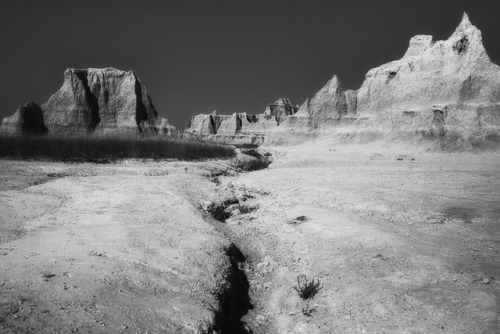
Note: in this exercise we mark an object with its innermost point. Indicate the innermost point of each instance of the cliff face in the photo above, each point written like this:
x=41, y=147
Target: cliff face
x=455, y=73
x=328, y=107
x=241, y=128
x=437, y=88
x=103, y=101
x=28, y=120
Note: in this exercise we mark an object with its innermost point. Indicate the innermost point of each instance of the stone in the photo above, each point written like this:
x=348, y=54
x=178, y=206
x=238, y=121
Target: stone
x=280, y=110
x=326, y=108
x=455, y=74
x=204, y=124
x=106, y=101
x=240, y=128
x=437, y=89
x=27, y=120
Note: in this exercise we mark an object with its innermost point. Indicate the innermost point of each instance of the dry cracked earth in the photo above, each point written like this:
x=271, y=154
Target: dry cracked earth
x=401, y=241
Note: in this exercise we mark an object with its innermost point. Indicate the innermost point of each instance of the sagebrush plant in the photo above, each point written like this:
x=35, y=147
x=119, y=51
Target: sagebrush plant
x=107, y=149
x=307, y=290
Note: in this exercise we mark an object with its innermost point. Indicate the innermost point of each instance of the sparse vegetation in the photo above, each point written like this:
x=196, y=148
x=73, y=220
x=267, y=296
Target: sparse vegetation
x=307, y=290
x=108, y=149
x=297, y=220
x=219, y=211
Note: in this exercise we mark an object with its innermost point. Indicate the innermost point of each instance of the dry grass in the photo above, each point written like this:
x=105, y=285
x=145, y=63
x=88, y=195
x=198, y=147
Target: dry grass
x=105, y=149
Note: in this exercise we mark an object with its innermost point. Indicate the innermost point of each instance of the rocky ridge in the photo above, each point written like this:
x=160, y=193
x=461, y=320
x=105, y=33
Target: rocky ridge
x=28, y=119
x=437, y=88
x=240, y=128
x=101, y=101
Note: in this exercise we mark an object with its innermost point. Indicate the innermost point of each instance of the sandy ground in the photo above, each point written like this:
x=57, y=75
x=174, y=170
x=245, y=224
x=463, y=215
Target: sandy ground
x=402, y=241
x=106, y=249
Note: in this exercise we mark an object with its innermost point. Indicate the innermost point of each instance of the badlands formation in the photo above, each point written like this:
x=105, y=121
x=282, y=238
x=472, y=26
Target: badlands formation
x=439, y=88
x=102, y=101
x=401, y=239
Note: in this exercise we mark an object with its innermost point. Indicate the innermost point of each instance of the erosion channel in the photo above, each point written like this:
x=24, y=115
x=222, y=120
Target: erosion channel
x=401, y=240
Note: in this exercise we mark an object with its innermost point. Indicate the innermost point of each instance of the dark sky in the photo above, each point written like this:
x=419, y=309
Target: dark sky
x=232, y=56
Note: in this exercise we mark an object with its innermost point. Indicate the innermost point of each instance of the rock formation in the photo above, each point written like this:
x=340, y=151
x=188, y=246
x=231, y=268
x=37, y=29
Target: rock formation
x=326, y=108
x=204, y=124
x=240, y=128
x=456, y=73
x=280, y=110
x=438, y=87
x=103, y=101
x=28, y=119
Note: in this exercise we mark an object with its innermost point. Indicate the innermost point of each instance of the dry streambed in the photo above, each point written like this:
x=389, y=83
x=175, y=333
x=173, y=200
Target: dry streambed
x=115, y=248
x=400, y=243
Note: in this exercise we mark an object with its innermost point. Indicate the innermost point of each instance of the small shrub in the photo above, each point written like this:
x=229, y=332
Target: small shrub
x=307, y=289
x=297, y=220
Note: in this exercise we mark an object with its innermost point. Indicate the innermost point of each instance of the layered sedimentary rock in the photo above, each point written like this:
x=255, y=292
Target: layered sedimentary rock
x=280, y=110
x=28, y=119
x=103, y=101
x=326, y=108
x=455, y=75
x=241, y=128
x=204, y=124
x=438, y=87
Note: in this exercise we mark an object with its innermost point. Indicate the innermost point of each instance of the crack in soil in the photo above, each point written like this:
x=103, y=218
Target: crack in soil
x=234, y=301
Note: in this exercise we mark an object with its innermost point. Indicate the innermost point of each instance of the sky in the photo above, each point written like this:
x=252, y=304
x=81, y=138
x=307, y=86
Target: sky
x=230, y=56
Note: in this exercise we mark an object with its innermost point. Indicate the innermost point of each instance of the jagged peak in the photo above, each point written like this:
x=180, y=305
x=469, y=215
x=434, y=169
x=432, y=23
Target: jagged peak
x=331, y=86
x=465, y=26
x=465, y=21
x=282, y=101
x=105, y=70
x=418, y=44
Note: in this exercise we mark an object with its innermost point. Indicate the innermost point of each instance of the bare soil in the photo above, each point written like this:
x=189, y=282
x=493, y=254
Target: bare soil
x=402, y=241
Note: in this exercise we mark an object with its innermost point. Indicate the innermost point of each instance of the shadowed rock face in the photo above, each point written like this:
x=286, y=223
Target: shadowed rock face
x=102, y=101
x=28, y=119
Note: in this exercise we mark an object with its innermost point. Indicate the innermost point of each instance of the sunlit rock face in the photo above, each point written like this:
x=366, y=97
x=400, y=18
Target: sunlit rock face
x=436, y=88
x=241, y=128
x=27, y=120
x=106, y=101
x=280, y=110
x=330, y=104
x=455, y=74
x=99, y=101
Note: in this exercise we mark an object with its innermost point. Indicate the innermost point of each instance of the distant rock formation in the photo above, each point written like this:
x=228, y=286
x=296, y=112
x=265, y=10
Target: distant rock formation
x=102, y=101
x=240, y=128
x=456, y=73
x=438, y=87
x=280, y=110
x=28, y=120
x=326, y=108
